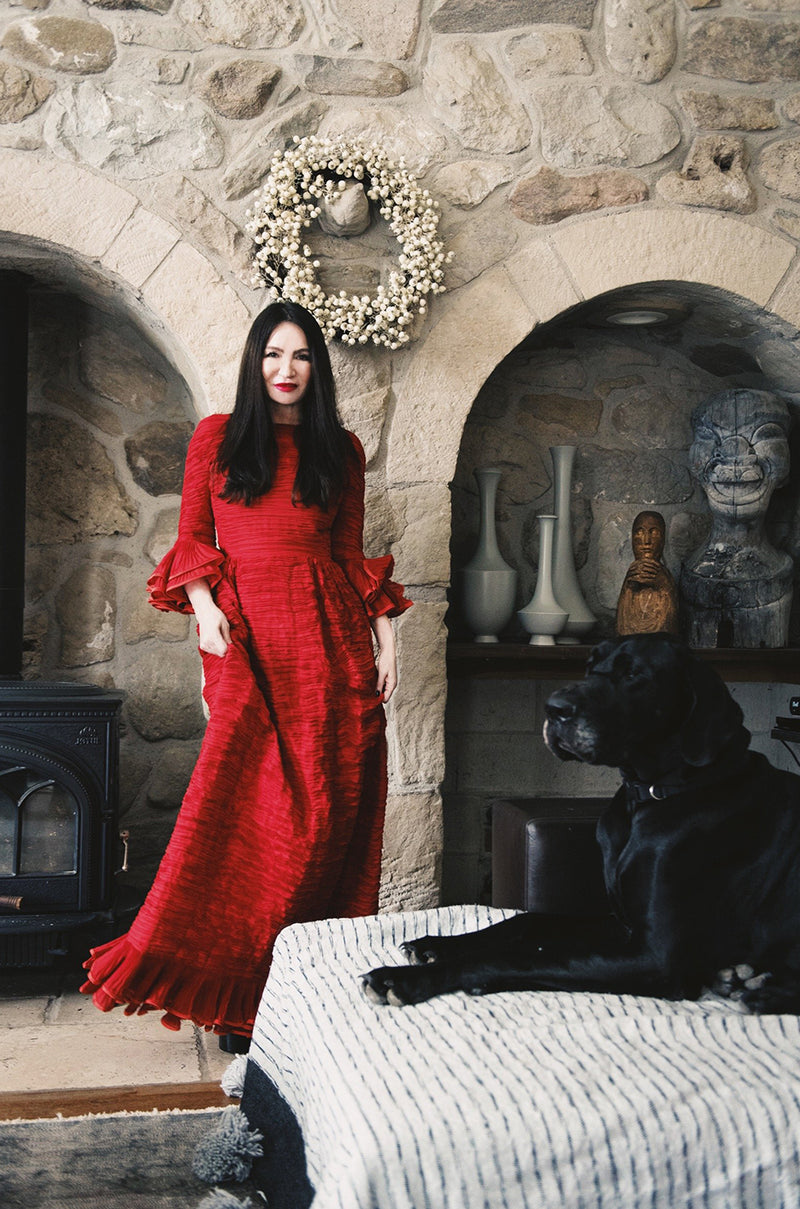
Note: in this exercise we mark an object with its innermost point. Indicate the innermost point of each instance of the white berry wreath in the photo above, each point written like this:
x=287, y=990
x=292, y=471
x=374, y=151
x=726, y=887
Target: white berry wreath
x=316, y=169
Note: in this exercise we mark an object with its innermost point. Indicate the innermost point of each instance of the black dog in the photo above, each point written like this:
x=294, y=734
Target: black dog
x=700, y=846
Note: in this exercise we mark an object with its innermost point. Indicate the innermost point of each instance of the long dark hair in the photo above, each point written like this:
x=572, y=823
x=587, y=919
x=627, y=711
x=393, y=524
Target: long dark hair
x=249, y=451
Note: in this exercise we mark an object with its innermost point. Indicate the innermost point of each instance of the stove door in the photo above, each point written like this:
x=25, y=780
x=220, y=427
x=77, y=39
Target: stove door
x=44, y=832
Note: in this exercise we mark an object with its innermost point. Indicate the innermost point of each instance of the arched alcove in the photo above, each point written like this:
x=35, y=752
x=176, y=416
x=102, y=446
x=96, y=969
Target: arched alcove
x=475, y=328
x=133, y=334
x=57, y=218
x=618, y=377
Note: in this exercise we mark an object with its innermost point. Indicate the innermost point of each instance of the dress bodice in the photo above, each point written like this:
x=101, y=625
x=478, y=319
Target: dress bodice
x=214, y=533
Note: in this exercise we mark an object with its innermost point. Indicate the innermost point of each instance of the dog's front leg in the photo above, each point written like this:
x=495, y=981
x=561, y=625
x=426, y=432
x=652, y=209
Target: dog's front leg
x=633, y=973
x=527, y=937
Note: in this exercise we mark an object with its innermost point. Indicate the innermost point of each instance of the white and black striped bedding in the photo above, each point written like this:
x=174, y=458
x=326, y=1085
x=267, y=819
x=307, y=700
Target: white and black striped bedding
x=522, y=1100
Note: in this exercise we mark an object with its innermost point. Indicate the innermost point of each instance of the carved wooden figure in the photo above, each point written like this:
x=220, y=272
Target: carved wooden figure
x=648, y=600
x=737, y=589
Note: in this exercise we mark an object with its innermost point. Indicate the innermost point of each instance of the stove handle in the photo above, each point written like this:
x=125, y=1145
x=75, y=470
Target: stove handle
x=125, y=837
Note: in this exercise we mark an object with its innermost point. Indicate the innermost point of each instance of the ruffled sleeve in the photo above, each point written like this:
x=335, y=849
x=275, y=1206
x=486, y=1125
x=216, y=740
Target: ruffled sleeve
x=195, y=554
x=371, y=577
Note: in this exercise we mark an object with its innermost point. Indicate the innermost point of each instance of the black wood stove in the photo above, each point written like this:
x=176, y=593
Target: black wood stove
x=59, y=747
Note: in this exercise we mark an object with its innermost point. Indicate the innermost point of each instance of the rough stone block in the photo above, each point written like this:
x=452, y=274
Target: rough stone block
x=21, y=94
x=412, y=846
x=131, y=132
x=467, y=183
x=141, y=246
x=417, y=715
x=711, y=111
x=640, y=37
x=549, y=52
x=86, y=607
x=779, y=168
x=62, y=44
x=163, y=697
x=351, y=77
x=73, y=490
x=387, y=31
x=156, y=455
x=640, y=245
x=421, y=553
x=475, y=16
x=472, y=98
x=47, y=200
x=405, y=136
x=201, y=311
x=551, y=196
x=489, y=319
x=713, y=174
x=739, y=48
x=246, y=24
x=585, y=125
x=241, y=88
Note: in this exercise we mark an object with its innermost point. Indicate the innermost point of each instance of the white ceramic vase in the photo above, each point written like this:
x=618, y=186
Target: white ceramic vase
x=488, y=584
x=544, y=617
x=566, y=587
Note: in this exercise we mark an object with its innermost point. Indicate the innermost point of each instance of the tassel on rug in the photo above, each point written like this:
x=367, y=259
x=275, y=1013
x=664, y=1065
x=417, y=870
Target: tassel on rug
x=228, y=1153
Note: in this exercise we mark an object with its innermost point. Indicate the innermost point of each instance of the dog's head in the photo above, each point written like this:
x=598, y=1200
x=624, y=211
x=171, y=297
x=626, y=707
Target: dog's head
x=642, y=693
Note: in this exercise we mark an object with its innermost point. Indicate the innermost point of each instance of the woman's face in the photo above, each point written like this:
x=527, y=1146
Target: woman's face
x=286, y=368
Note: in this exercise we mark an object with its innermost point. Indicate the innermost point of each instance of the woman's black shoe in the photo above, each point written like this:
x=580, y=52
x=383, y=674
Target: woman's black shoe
x=233, y=1043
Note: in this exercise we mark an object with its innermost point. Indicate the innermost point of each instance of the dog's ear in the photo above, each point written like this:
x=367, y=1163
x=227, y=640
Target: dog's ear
x=714, y=719
x=600, y=652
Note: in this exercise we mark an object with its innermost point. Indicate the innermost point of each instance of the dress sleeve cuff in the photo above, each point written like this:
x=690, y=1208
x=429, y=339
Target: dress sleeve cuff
x=371, y=579
x=187, y=560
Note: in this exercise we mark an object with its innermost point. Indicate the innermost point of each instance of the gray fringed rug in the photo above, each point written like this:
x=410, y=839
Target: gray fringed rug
x=134, y=1160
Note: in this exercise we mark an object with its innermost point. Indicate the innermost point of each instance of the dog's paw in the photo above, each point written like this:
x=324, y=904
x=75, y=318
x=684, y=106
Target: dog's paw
x=772, y=996
x=398, y=986
x=423, y=951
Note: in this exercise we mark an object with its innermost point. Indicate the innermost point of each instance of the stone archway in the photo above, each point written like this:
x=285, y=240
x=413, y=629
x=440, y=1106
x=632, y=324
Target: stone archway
x=479, y=326
x=485, y=320
x=193, y=314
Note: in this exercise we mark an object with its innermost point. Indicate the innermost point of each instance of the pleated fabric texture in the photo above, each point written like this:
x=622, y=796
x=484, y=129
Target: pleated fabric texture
x=283, y=817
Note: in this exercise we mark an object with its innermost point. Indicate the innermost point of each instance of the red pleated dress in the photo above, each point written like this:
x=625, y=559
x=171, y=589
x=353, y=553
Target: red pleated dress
x=283, y=817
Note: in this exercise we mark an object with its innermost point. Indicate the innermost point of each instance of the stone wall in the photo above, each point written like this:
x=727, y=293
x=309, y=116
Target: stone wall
x=573, y=146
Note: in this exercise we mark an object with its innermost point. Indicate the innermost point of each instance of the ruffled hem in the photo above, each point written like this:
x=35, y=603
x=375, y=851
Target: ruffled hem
x=119, y=975
x=371, y=578
x=187, y=560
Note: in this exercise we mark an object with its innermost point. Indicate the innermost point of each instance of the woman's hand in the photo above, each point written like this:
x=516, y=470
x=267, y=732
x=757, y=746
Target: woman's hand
x=214, y=630
x=387, y=657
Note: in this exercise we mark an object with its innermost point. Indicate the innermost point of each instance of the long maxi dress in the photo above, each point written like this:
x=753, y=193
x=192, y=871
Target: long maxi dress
x=283, y=817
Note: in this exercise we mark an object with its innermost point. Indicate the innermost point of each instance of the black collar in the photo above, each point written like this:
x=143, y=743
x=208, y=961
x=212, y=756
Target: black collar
x=681, y=780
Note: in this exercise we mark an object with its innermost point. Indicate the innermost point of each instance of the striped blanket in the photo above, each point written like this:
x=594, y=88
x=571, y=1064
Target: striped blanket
x=521, y=1100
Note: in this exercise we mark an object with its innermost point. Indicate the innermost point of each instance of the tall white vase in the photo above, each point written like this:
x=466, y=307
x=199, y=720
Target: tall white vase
x=488, y=584
x=566, y=587
x=544, y=617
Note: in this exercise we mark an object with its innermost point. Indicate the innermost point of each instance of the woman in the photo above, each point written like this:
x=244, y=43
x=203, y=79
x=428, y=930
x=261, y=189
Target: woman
x=283, y=817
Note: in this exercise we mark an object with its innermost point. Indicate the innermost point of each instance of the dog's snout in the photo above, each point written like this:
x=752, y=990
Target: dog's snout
x=559, y=708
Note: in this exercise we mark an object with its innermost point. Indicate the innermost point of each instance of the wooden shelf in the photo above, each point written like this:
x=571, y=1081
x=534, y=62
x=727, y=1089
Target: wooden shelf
x=521, y=661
